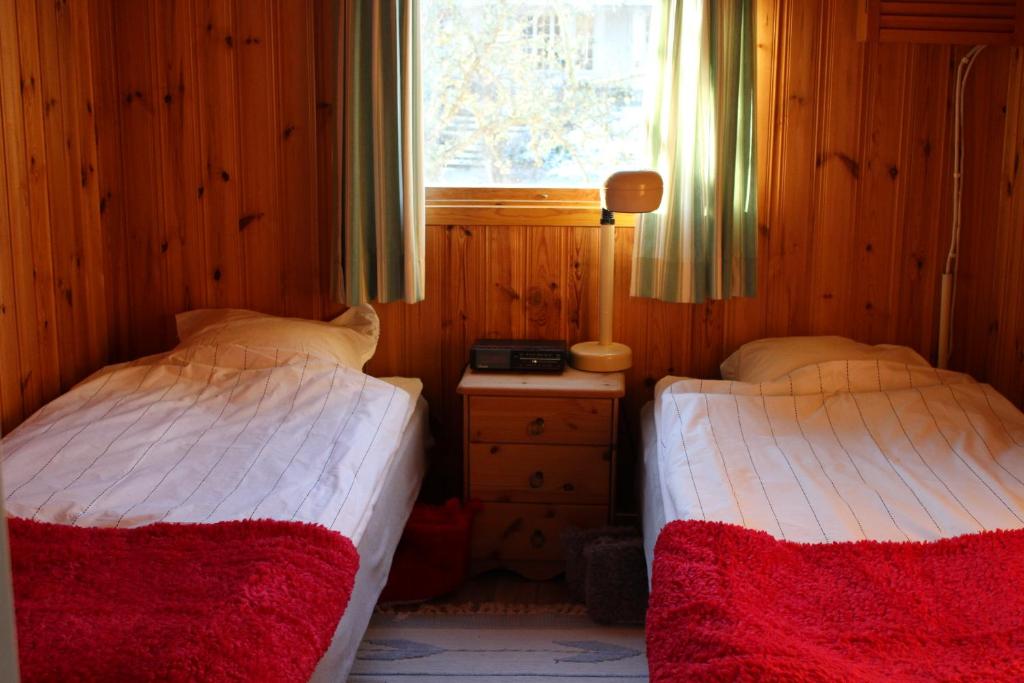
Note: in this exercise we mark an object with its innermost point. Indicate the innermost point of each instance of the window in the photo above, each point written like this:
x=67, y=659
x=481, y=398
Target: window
x=534, y=93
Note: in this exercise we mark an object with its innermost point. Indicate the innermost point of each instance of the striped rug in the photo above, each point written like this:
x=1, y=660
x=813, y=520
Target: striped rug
x=493, y=642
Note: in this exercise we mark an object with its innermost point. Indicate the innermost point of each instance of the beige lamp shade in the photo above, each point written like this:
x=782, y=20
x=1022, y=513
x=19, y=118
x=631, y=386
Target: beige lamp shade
x=632, y=192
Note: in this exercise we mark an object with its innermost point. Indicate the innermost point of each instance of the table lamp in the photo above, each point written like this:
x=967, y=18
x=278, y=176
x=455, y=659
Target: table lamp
x=624, y=192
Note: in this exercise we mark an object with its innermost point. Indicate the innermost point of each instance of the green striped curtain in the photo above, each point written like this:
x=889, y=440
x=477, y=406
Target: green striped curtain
x=702, y=243
x=380, y=212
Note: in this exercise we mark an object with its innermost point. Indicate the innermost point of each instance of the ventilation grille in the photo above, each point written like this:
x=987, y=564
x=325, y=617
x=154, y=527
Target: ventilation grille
x=957, y=22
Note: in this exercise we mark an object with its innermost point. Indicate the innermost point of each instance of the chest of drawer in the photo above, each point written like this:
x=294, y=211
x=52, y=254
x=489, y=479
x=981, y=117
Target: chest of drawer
x=539, y=473
x=527, y=532
x=494, y=419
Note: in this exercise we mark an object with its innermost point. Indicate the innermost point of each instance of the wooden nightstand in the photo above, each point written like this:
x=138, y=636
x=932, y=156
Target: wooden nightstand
x=539, y=451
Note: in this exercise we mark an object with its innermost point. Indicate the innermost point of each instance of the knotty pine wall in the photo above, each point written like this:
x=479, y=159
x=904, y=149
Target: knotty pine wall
x=989, y=316
x=212, y=139
x=53, y=305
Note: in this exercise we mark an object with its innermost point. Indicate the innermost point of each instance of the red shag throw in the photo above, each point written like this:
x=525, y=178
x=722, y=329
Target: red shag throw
x=729, y=603
x=240, y=601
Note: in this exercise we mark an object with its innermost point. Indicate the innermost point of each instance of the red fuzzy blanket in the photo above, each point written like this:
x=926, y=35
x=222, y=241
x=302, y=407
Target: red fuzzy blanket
x=240, y=601
x=728, y=603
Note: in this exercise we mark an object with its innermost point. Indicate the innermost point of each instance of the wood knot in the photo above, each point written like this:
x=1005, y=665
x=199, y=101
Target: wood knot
x=512, y=294
x=245, y=220
x=850, y=163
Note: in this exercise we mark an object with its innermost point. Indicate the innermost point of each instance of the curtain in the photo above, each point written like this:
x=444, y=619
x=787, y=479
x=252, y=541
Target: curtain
x=380, y=219
x=702, y=243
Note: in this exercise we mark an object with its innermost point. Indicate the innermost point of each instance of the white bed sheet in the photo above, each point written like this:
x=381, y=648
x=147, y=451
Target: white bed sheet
x=210, y=434
x=398, y=493
x=837, y=451
x=653, y=513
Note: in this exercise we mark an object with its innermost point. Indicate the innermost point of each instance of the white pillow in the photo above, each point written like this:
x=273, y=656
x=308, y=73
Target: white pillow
x=768, y=359
x=349, y=340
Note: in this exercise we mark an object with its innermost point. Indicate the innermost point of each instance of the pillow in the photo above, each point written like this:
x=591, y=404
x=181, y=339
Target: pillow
x=768, y=359
x=349, y=340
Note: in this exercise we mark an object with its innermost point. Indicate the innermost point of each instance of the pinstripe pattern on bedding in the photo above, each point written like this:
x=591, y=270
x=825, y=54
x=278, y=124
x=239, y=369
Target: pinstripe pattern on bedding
x=206, y=434
x=843, y=450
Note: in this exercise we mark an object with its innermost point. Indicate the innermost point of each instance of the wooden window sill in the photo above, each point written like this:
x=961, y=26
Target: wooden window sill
x=517, y=206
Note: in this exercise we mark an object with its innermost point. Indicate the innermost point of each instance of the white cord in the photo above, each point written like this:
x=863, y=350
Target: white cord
x=952, y=259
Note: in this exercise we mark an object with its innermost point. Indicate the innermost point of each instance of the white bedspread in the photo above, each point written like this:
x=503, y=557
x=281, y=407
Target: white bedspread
x=843, y=451
x=206, y=434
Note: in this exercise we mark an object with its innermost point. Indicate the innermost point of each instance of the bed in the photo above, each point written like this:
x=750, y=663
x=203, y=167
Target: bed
x=249, y=418
x=835, y=448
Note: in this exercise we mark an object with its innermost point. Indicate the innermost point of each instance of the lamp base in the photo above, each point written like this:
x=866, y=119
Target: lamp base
x=597, y=357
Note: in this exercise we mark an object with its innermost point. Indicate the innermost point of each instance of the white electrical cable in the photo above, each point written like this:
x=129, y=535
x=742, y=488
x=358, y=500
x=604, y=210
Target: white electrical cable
x=952, y=259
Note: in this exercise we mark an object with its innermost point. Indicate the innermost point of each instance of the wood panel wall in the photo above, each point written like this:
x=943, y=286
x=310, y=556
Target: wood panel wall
x=214, y=189
x=52, y=297
x=988, y=322
x=208, y=161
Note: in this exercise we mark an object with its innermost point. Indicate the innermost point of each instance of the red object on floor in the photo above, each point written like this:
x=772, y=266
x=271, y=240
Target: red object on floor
x=728, y=603
x=240, y=601
x=432, y=558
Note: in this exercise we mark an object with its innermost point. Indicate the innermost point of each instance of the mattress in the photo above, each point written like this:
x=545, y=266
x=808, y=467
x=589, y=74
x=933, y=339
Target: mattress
x=213, y=433
x=398, y=493
x=838, y=451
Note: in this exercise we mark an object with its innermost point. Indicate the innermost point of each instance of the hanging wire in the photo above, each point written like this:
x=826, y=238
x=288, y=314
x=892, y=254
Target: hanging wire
x=952, y=259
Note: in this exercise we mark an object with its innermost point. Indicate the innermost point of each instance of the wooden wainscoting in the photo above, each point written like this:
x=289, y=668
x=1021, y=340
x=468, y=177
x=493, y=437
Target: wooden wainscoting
x=988, y=337
x=53, y=306
x=209, y=161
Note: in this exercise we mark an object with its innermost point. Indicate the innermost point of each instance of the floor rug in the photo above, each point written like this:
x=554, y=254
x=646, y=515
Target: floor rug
x=493, y=642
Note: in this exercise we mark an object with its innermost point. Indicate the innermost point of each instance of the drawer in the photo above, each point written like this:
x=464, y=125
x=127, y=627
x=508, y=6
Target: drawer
x=494, y=419
x=521, y=531
x=539, y=473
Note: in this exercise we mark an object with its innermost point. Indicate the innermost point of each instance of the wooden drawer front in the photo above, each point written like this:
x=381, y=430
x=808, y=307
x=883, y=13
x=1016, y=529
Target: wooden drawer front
x=539, y=473
x=494, y=419
x=520, y=531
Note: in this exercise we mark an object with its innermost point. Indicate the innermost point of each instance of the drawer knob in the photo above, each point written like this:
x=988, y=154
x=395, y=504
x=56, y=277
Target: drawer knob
x=537, y=538
x=536, y=427
x=536, y=480
x=568, y=488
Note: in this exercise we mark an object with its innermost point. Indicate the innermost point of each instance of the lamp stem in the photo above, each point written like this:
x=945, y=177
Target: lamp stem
x=607, y=280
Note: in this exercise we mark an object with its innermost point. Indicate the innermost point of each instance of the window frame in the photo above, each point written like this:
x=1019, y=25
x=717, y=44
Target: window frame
x=518, y=206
